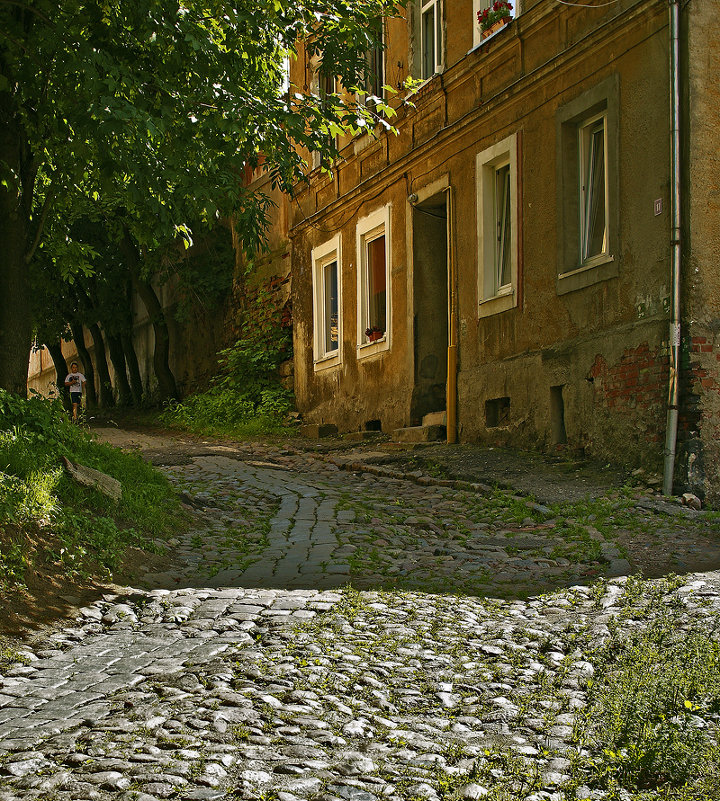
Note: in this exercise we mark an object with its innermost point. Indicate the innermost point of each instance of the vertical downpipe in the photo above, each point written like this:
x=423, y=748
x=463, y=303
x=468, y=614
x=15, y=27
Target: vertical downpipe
x=675, y=251
x=451, y=386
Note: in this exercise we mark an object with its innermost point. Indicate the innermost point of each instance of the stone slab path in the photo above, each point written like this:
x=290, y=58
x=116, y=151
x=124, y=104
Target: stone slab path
x=292, y=520
x=331, y=635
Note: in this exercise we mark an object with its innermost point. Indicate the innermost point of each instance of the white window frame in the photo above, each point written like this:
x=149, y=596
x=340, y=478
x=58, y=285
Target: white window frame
x=370, y=228
x=322, y=256
x=436, y=6
x=493, y=297
x=585, y=130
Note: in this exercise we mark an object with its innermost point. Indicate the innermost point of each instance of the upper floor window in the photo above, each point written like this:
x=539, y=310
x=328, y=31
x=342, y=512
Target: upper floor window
x=588, y=188
x=431, y=37
x=593, y=189
x=375, y=79
x=324, y=85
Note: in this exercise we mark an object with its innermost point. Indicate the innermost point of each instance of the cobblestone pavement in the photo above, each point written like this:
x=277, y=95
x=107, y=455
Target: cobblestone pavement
x=251, y=669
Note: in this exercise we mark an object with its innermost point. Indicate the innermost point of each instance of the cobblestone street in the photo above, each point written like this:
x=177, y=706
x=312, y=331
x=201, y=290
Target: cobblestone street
x=329, y=629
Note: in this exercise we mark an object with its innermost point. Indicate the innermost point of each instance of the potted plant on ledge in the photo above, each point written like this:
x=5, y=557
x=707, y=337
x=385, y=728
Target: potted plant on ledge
x=374, y=333
x=494, y=17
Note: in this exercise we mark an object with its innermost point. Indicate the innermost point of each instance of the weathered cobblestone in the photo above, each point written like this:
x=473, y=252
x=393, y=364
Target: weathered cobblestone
x=256, y=672
x=379, y=695
x=291, y=520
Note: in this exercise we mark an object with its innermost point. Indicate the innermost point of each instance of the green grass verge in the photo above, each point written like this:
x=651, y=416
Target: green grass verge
x=88, y=529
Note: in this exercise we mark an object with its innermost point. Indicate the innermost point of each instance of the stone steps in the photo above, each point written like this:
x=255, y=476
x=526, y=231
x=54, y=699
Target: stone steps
x=435, y=419
x=432, y=433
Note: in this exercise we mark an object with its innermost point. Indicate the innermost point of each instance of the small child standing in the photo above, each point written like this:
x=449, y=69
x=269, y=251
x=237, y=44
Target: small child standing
x=75, y=381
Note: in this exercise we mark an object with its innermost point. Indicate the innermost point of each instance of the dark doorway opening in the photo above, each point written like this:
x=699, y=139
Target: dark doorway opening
x=430, y=301
x=557, y=415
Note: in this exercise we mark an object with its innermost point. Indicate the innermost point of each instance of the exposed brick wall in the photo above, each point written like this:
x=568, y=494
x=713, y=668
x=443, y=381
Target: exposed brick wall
x=634, y=385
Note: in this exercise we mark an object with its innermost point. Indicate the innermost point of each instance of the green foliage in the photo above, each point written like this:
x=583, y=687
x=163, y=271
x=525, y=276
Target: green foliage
x=246, y=396
x=145, y=115
x=205, y=275
x=653, y=712
x=34, y=490
x=42, y=418
x=230, y=412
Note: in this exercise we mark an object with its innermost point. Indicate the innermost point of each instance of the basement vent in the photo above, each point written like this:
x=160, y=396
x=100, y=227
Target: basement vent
x=497, y=412
x=373, y=425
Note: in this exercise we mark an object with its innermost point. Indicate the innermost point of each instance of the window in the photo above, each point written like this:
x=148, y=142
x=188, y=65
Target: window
x=327, y=308
x=373, y=257
x=431, y=38
x=375, y=79
x=587, y=178
x=497, y=214
x=593, y=190
x=324, y=85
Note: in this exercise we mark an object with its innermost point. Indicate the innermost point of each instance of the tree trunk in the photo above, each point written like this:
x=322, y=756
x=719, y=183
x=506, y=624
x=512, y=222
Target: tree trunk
x=87, y=366
x=117, y=356
x=167, y=388
x=136, y=386
x=166, y=380
x=15, y=317
x=61, y=371
x=106, y=394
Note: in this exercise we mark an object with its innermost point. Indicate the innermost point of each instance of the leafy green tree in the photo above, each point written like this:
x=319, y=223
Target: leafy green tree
x=150, y=110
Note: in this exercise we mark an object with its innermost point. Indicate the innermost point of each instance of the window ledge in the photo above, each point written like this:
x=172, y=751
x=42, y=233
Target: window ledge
x=371, y=348
x=419, y=89
x=488, y=38
x=501, y=302
x=600, y=268
x=326, y=362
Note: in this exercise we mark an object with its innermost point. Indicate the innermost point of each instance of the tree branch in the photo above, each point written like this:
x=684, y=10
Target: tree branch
x=47, y=205
x=26, y=7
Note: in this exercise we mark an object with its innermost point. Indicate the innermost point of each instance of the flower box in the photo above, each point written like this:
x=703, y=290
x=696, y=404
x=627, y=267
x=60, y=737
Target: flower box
x=496, y=26
x=494, y=17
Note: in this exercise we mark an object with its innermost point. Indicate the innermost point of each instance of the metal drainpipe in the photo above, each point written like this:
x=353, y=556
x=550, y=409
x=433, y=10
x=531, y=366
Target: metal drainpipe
x=675, y=251
x=451, y=387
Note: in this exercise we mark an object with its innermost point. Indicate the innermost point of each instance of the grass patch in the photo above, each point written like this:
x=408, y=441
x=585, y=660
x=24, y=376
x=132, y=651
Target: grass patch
x=229, y=412
x=89, y=532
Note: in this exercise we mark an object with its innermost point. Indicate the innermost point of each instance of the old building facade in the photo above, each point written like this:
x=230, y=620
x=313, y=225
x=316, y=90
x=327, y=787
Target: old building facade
x=518, y=228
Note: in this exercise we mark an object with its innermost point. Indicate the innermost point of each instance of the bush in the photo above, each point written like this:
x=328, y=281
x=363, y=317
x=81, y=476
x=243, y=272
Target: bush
x=228, y=411
x=246, y=397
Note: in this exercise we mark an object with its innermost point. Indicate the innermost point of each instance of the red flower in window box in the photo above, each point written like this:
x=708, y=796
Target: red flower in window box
x=374, y=333
x=495, y=16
